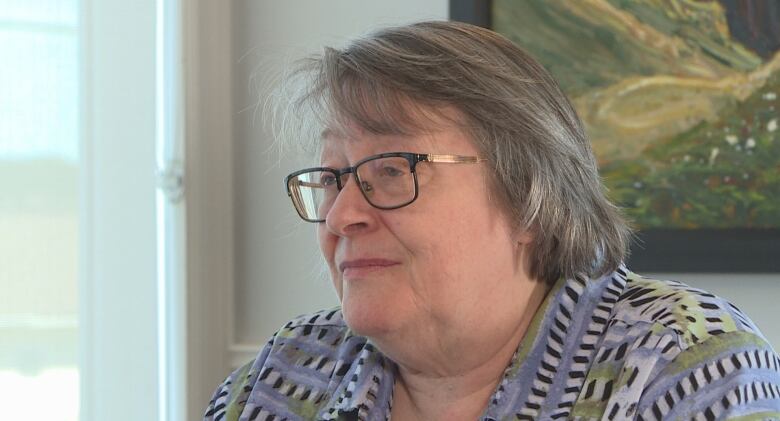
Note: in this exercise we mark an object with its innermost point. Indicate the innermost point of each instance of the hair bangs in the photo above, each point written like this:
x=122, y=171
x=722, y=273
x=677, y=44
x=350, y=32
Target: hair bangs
x=349, y=95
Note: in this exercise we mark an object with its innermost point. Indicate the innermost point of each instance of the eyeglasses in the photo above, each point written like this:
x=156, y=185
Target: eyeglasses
x=387, y=181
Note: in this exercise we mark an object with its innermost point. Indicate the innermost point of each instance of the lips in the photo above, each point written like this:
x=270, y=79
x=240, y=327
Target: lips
x=358, y=266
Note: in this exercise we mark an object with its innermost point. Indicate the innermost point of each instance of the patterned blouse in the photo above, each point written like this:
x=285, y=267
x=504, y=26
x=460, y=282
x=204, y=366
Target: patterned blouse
x=616, y=348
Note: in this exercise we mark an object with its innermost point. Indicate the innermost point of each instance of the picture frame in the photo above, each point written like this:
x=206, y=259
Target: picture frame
x=675, y=250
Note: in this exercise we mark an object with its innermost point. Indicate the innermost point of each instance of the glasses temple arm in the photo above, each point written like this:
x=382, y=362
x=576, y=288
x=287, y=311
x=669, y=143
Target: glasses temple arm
x=454, y=159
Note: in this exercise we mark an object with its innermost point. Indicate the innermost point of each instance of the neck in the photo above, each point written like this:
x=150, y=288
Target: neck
x=458, y=384
x=453, y=396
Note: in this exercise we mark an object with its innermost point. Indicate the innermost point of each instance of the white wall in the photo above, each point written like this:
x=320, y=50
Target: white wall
x=277, y=264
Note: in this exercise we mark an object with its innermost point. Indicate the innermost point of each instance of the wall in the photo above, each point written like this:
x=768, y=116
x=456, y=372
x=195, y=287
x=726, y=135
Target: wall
x=278, y=271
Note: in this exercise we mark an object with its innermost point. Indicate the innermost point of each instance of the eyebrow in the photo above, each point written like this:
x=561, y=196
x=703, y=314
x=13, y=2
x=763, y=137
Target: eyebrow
x=330, y=133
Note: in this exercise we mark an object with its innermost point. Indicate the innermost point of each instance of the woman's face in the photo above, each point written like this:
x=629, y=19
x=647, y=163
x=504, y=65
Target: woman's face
x=435, y=270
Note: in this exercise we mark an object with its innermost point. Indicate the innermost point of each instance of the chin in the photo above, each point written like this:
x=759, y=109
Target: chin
x=367, y=317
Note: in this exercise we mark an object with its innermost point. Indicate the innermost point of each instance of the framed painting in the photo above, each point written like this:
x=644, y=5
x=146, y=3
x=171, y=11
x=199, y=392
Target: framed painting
x=681, y=101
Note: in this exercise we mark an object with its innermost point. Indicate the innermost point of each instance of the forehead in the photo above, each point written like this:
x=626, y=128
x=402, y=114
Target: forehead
x=432, y=132
x=354, y=147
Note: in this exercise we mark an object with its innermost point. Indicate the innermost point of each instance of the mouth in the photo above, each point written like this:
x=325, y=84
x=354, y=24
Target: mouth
x=353, y=268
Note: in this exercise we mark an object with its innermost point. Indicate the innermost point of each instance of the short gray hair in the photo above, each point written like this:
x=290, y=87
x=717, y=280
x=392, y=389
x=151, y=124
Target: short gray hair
x=543, y=168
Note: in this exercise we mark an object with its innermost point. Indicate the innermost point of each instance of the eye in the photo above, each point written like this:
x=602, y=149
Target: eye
x=327, y=180
x=391, y=170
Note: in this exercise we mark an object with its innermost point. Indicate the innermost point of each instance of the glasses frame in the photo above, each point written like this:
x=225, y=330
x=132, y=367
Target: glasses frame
x=412, y=158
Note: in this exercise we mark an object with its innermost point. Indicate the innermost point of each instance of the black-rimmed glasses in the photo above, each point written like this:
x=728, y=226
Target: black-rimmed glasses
x=387, y=181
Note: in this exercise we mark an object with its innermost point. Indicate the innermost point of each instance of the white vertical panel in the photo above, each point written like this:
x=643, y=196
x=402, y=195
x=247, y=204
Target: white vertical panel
x=118, y=296
x=171, y=212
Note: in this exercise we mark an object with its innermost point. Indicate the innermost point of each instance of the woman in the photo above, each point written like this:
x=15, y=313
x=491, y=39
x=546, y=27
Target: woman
x=478, y=262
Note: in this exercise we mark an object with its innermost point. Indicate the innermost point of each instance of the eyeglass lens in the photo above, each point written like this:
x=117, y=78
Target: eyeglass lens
x=386, y=182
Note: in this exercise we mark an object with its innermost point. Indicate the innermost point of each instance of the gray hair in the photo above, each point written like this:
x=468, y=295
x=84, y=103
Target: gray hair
x=542, y=166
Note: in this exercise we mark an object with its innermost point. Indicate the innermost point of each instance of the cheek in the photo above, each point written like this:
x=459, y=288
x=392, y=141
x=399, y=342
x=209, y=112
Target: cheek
x=326, y=246
x=471, y=245
x=327, y=243
x=439, y=253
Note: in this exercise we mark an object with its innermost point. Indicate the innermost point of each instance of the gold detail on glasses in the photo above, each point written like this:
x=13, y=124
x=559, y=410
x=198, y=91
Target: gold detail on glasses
x=454, y=159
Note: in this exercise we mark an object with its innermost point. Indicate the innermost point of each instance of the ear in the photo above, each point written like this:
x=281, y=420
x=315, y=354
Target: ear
x=524, y=236
x=524, y=240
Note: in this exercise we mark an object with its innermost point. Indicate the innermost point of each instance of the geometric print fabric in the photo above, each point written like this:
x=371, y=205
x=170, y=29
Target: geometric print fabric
x=616, y=348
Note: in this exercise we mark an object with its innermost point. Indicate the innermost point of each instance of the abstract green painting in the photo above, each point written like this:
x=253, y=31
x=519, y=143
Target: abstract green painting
x=680, y=99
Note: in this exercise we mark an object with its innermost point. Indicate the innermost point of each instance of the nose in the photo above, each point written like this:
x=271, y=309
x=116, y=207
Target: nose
x=350, y=213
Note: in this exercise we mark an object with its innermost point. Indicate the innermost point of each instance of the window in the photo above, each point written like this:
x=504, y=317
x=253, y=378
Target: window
x=39, y=205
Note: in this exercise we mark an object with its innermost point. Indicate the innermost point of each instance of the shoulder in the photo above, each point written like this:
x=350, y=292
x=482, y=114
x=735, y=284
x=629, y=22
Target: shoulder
x=693, y=315
x=672, y=351
x=298, y=365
